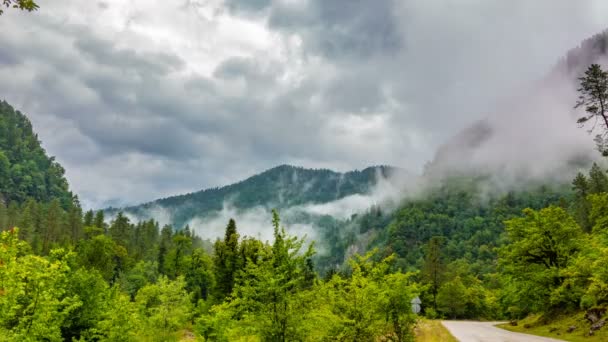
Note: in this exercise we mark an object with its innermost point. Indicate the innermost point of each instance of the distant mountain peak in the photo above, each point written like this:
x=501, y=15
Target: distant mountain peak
x=278, y=187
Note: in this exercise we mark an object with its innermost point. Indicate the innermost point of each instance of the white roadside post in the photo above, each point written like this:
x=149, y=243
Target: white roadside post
x=416, y=305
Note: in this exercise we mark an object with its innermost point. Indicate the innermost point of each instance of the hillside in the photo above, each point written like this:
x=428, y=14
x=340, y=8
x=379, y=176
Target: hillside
x=26, y=171
x=531, y=135
x=281, y=187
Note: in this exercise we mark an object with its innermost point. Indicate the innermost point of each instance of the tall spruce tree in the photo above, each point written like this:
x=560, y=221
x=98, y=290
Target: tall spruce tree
x=226, y=260
x=433, y=269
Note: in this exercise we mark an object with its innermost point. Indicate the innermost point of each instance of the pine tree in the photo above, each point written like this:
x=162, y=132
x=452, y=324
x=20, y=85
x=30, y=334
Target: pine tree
x=433, y=269
x=166, y=236
x=120, y=230
x=598, y=181
x=580, y=185
x=226, y=259
x=88, y=218
x=99, y=220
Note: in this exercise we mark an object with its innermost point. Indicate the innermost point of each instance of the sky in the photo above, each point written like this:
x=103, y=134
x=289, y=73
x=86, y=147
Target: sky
x=142, y=99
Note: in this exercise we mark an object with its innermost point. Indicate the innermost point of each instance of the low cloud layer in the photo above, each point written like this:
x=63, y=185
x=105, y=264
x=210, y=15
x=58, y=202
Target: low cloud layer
x=144, y=99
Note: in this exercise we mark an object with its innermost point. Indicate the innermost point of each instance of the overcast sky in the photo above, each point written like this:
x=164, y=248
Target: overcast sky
x=141, y=99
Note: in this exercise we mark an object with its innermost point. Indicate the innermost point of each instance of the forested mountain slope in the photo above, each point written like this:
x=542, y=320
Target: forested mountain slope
x=280, y=187
x=25, y=169
x=531, y=134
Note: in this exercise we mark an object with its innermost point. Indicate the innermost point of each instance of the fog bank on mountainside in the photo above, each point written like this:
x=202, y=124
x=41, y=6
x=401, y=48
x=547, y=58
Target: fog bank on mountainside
x=530, y=136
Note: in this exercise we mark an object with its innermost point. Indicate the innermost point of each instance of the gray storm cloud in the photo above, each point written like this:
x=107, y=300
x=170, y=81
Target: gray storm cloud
x=142, y=99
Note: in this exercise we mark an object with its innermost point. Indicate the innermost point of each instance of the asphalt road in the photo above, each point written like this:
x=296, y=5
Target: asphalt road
x=486, y=332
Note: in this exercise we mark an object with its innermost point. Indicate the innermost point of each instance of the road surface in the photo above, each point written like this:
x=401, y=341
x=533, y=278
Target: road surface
x=487, y=332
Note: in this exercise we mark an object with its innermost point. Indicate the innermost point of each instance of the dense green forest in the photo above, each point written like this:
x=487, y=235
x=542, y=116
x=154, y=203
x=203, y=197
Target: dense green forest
x=25, y=170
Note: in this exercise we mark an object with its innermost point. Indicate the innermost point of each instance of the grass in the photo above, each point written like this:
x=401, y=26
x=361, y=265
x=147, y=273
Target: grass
x=558, y=328
x=432, y=331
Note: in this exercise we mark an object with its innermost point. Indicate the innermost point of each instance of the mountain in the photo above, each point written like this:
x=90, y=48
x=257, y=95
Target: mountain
x=26, y=171
x=281, y=187
x=532, y=135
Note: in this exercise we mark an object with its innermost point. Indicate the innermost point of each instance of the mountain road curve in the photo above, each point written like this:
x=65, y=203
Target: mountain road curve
x=468, y=331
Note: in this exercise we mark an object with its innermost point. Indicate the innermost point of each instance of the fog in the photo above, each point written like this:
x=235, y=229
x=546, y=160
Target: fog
x=531, y=135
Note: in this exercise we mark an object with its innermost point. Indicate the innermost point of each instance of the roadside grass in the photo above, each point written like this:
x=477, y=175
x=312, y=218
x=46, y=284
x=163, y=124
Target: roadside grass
x=432, y=331
x=558, y=328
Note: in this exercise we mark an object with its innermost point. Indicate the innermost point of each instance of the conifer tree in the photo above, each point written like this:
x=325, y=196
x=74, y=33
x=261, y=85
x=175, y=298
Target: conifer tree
x=226, y=259
x=433, y=269
x=580, y=185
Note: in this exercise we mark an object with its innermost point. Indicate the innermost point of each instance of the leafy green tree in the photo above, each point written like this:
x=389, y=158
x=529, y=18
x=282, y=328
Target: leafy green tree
x=372, y=302
x=452, y=298
x=24, y=5
x=91, y=289
x=104, y=255
x=540, y=245
x=34, y=299
x=594, y=98
x=395, y=299
x=199, y=275
x=120, y=321
x=138, y=276
x=164, y=308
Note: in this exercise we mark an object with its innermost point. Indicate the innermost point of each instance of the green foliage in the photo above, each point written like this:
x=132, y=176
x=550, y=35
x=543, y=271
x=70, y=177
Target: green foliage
x=35, y=303
x=25, y=169
x=227, y=260
x=452, y=298
x=164, y=308
x=282, y=187
x=120, y=320
x=371, y=302
x=541, y=245
x=24, y=5
x=433, y=268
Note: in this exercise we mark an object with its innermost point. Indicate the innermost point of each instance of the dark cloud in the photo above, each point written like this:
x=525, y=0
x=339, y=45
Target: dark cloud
x=105, y=53
x=145, y=100
x=343, y=28
x=247, y=6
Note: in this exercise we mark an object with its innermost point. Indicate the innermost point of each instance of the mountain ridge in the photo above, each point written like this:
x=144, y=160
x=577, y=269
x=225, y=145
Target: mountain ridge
x=279, y=187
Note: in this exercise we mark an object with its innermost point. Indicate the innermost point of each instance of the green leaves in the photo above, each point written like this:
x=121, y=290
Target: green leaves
x=25, y=169
x=594, y=98
x=541, y=245
x=164, y=309
x=34, y=300
x=25, y=5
